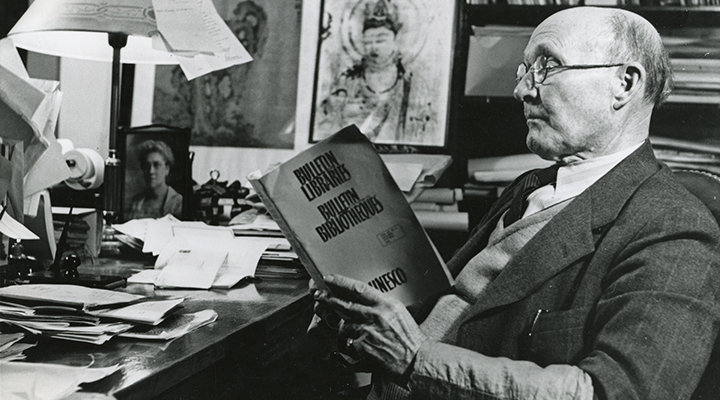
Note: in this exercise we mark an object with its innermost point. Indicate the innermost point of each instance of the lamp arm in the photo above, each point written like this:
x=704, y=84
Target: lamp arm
x=113, y=187
x=117, y=41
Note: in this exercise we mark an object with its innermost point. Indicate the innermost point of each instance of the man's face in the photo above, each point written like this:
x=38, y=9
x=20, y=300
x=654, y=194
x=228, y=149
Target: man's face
x=379, y=44
x=570, y=112
x=155, y=170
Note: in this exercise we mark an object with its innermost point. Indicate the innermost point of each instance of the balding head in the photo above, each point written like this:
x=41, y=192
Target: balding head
x=619, y=36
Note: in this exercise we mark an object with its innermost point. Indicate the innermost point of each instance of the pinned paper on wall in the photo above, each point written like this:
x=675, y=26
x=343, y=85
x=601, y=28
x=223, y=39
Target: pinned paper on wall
x=494, y=53
x=195, y=34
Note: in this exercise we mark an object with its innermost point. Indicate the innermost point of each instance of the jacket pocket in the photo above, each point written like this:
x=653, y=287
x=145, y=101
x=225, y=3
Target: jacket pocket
x=557, y=337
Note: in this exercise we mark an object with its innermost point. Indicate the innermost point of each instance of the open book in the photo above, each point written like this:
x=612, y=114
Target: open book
x=343, y=213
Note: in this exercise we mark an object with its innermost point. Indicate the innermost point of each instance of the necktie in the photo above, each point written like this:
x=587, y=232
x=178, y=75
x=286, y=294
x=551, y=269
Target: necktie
x=529, y=183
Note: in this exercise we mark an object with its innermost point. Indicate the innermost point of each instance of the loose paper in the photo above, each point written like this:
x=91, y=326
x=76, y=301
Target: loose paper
x=197, y=36
x=40, y=381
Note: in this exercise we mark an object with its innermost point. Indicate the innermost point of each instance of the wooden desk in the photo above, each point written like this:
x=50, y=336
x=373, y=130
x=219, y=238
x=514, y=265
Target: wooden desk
x=257, y=349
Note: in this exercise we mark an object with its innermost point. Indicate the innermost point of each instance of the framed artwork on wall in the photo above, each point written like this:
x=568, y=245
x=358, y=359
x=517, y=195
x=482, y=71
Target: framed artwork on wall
x=249, y=105
x=157, y=172
x=385, y=66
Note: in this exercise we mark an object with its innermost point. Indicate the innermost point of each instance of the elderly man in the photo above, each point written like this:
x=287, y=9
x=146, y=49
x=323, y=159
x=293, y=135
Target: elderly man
x=605, y=286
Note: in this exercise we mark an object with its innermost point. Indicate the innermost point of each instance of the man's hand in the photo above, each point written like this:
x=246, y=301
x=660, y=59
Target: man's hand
x=378, y=328
x=325, y=322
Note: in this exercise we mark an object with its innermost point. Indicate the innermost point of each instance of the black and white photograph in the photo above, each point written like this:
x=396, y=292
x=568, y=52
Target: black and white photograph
x=156, y=172
x=360, y=199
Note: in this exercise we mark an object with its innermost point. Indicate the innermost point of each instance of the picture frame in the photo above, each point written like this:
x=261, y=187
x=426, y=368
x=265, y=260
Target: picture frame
x=385, y=66
x=156, y=177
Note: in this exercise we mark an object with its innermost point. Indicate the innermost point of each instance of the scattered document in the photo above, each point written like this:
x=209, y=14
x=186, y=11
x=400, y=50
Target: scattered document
x=405, y=174
x=151, y=235
x=146, y=276
x=197, y=36
x=173, y=327
x=159, y=232
x=8, y=339
x=68, y=295
x=13, y=229
x=40, y=381
x=16, y=352
x=191, y=267
x=243, y=257
x=146, y=312
x=10, y=349
x=135, y=227
x=433, y=165
x=36, y=104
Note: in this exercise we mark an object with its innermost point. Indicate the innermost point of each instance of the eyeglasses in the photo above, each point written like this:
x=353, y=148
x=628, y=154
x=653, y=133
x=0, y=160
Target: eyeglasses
x=540, y=69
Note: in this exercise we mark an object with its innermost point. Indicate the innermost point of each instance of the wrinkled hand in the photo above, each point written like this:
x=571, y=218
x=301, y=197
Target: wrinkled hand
x=325, y=322
x=382, y=329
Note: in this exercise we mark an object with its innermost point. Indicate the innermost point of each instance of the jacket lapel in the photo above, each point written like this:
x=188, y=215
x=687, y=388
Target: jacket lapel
x=569, y=235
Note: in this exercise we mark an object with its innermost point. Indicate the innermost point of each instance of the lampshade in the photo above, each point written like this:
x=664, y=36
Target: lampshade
x=79, y=29
x=118, y=31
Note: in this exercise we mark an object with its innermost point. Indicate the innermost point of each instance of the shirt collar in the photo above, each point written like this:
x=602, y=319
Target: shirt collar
x=574, y=178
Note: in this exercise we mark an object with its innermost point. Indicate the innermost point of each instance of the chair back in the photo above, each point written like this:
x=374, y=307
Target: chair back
x=706, y=187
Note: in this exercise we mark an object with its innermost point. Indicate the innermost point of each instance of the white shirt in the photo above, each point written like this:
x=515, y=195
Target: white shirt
x=573, y=179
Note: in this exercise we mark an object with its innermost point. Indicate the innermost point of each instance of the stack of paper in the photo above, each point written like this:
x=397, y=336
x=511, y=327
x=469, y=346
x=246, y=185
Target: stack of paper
x=255, y=223
x=78, y=313
x=685, y=154
x=698, y=77
x=174, y=327
x=280, y=262
x=200, y=261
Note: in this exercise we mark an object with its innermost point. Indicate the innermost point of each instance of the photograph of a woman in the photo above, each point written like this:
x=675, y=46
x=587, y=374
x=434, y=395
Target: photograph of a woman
x=156, y=167
x=157, y=198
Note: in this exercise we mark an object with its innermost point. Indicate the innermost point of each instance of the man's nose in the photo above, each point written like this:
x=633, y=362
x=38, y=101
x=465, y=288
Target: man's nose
x=525, y=90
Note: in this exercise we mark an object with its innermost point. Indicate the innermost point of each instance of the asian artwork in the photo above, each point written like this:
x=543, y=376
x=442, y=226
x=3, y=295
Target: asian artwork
x=248, y=105
x=384, y=65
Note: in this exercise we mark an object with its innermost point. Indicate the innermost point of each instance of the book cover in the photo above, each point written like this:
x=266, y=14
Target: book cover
x=343, y=213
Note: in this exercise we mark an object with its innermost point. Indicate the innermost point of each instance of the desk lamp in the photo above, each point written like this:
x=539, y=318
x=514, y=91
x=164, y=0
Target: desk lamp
x=95, y=30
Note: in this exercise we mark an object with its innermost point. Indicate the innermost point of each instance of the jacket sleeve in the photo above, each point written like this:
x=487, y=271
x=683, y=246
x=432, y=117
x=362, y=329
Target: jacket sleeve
x=444, y=371
x=657, y=317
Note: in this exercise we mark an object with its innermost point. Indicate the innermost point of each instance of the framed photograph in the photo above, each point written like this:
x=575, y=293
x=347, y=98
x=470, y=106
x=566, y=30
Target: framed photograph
x=385, y=66
x=156, y=178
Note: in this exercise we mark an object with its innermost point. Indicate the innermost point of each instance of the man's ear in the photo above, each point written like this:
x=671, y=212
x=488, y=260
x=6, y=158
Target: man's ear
x=629, y=85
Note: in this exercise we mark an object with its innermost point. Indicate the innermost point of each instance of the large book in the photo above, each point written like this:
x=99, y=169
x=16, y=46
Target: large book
x=343, y=214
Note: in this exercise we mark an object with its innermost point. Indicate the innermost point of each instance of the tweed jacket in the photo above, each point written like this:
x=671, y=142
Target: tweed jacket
x=623, y=283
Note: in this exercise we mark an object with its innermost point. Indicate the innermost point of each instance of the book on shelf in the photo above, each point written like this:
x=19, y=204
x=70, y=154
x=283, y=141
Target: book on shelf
x=343, y=214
